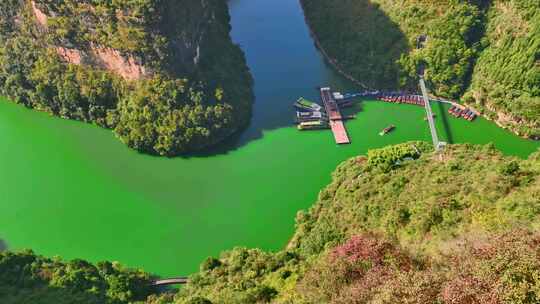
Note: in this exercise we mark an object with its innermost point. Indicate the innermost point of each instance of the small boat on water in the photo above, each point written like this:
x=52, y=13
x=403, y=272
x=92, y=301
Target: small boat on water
x=312, y=125
x=305, y=104
x=387, y=130
x=462, y=112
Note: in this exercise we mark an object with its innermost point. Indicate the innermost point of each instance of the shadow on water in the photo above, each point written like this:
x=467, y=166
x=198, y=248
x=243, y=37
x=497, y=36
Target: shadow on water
x=286, y=64
x=445, y=123
x=3, y=245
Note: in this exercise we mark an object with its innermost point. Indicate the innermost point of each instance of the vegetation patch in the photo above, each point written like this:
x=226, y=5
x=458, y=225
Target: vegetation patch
x=29, y=278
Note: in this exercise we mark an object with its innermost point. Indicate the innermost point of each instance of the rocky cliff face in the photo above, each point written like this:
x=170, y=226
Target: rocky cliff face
x=126, y=49
x=164, y=75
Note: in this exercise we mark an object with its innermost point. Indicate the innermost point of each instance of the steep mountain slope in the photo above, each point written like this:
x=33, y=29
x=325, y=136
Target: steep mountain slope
x=375, y=40
x=164, y=75
x=506, y=79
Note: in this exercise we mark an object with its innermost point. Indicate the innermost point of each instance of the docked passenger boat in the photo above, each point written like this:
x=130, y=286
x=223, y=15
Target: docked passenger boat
x=387, y=130
x=305, y=104
x=313, y=125
x=310, y=116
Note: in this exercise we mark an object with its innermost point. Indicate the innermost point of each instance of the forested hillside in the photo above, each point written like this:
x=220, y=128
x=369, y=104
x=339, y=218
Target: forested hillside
x=28, y=278
x=375, y=40
x=400, y=225
x=506, y=79
x=481, y=52
x=164, y=75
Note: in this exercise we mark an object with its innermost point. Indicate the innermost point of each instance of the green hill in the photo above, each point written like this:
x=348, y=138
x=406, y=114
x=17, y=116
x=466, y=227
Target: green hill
x=164, y=75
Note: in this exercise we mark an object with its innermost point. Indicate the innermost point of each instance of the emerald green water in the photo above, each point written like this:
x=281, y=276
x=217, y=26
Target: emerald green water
x=72, y=189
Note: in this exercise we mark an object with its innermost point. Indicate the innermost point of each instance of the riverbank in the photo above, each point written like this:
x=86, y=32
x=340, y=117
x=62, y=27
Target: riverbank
x=504, y=120
x=333, y=62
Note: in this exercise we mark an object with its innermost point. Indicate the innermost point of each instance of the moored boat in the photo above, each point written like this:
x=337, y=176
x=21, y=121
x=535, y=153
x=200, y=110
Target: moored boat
x=312, y=125
x=303, y=103
x=310, y=116
x=387, y=130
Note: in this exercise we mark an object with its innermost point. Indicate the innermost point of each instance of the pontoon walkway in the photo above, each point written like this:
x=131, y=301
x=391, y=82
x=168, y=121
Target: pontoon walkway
x=334, y=115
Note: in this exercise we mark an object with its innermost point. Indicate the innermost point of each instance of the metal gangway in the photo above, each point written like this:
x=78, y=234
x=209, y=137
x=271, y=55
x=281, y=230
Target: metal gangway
x=436, y=143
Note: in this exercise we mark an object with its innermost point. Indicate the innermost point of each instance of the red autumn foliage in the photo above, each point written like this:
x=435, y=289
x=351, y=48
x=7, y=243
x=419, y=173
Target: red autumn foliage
x=504, y=268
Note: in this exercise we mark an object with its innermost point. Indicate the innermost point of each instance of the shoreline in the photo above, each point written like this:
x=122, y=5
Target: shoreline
x=335, y=65
x=327, y=57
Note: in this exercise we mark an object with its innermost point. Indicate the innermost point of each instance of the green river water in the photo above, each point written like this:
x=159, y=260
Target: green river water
x=72, y=189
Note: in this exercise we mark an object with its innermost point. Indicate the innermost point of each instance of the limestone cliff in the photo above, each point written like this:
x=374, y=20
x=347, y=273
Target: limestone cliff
x=164, y=75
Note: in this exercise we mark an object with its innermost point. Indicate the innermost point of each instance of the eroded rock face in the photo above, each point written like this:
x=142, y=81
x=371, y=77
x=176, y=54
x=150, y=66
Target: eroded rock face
x=183, y=49
x=73, y=56
x=125, y=65
x=41, y=18
x=128, y=67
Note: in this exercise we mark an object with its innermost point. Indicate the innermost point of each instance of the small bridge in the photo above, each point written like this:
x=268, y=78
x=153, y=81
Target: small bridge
x=420, y=42
x=170, y=281
x=436, y=143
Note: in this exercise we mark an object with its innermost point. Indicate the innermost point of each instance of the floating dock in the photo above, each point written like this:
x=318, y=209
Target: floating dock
x=335, y=117
x=340, y=134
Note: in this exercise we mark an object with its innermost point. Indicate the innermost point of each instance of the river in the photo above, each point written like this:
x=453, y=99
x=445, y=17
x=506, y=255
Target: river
x=72, y=189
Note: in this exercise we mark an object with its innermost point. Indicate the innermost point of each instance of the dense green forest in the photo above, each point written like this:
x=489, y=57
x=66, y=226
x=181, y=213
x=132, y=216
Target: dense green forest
x=375, y=40
x=164, y=75
x=28, y=278
x=506, y=79
x=481, y=52
x=402, y=224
